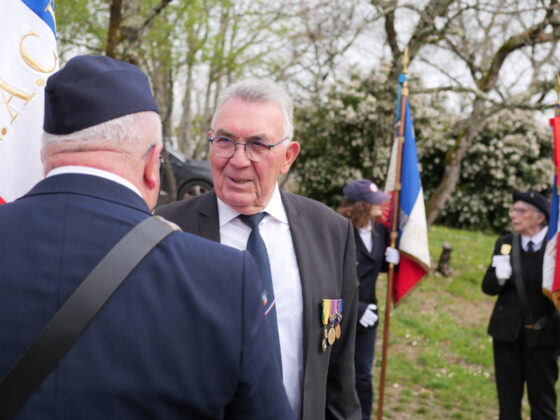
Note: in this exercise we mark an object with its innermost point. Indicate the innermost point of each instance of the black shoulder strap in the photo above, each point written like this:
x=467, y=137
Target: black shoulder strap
x=518, y=278
x=72, y=318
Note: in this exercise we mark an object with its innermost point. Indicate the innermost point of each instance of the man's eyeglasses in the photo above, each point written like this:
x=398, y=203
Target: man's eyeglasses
x=519, y=210
x=147, y=152
x=256, y=150
x=160, y=158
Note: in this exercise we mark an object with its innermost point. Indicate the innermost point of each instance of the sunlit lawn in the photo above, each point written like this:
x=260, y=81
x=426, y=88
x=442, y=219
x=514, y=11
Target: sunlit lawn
x=439, y=363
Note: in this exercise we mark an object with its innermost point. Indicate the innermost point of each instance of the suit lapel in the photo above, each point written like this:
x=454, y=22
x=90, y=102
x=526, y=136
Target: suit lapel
x=208, y=218
x=302, y=243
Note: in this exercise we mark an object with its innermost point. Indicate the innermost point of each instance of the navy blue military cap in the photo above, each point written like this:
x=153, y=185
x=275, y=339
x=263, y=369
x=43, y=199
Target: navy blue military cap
x=364, y=190
x=93, y=89
x=533, y=198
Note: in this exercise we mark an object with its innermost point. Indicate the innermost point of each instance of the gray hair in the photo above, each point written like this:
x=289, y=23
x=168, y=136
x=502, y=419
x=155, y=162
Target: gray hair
x=537, y=212
x=261, y=90
x=124, y=134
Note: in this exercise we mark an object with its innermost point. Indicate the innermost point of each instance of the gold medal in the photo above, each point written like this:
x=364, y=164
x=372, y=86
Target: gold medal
x=332, y=336
x=337, y=331
x=324, y=344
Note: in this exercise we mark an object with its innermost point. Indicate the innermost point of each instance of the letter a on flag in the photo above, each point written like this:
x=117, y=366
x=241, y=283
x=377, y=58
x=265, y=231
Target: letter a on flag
x=412, y=241
x=28, y=57
x=551, y=265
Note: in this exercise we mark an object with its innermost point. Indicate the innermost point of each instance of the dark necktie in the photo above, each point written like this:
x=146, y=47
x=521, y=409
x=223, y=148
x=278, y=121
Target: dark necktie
x=530, y=246
x=257, y=248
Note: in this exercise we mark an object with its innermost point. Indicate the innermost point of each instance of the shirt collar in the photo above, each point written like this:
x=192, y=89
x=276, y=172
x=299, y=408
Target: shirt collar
x=86, y=170
x=368, y=228
x=536, y=239
x=274, y=208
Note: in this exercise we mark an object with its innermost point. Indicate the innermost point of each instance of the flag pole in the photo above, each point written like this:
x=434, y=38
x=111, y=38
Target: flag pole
x=394, y=235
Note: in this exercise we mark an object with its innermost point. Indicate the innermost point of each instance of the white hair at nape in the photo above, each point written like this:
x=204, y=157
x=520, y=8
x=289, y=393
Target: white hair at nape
x=261, y=90
x=123, y=134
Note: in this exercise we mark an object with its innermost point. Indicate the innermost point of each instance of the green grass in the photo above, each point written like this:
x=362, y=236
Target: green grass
x=439, y=363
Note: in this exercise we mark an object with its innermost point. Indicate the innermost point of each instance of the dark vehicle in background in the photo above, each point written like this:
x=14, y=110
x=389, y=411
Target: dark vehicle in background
x=193, y=177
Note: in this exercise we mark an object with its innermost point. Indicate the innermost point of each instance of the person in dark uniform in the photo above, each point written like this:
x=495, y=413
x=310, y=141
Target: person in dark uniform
x=185, y=336
x=524, y=324
x=362, y=205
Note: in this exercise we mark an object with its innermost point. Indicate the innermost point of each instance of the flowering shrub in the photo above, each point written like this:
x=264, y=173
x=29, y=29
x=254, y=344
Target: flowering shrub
x=512, y=151
x=349, y=135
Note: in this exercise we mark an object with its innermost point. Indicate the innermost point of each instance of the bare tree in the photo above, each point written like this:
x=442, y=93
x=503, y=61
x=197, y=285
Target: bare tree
x=477, y=38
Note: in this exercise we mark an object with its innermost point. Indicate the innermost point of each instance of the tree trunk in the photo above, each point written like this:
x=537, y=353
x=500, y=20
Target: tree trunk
x=468, y=129
x=114, y=33
x=443, y=266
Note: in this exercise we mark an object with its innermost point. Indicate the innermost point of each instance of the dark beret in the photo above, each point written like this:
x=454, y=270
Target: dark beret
x=364, y=190
x=534, y=198
x=92, y=89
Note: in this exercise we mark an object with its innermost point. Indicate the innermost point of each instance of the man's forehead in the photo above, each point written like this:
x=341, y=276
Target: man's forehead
x=523, y=205
x=234, y=134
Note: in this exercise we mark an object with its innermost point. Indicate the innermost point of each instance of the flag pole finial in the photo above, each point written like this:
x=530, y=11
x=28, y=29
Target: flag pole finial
x=405, y=60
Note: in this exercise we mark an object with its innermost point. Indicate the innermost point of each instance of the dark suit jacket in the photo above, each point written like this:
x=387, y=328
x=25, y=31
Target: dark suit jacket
x=324, y=247
x=183, y=337
x=370, y=264
x=507, y=317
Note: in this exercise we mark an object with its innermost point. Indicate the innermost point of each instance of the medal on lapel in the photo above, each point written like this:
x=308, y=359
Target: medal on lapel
x=338, y=314
x=326, y=304
x=331, y=318
x=505, y=249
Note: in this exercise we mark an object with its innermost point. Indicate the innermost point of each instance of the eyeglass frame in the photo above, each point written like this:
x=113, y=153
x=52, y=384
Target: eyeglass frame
x=235, y=143
x=147, y=152
x=160, y=158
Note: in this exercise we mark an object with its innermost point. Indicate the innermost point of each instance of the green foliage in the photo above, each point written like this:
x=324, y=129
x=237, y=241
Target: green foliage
x=81, y=26
x=512, y=151
x=343, y=138
x=348, y=136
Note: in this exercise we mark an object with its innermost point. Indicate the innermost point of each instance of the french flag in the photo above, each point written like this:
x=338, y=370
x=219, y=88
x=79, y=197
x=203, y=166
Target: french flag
x=412, y=241
x=551, y=265
x=29, y=57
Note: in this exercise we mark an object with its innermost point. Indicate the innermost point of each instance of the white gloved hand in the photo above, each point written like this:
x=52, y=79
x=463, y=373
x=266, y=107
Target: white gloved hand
x=502, y=265
x=392, y=255
x=369, y=318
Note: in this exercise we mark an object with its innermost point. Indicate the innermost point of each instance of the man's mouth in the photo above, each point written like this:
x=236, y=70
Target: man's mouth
x=239, y=181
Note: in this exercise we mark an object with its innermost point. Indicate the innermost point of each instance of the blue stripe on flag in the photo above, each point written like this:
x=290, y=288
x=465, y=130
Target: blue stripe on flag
x=410, y=177
x=553, y=219
x=44, y=9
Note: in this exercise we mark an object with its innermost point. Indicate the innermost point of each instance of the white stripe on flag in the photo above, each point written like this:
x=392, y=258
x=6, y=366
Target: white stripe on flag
x=28, y=51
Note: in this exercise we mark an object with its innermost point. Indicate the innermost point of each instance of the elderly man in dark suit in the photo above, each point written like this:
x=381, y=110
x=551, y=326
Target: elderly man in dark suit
x=524, y=324
x=184, y=336
x=307, y=256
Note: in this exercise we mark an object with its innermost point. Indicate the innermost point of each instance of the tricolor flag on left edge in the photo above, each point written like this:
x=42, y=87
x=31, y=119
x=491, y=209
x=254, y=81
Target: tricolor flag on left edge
x=412, y=241
x=551, y=265
x=29, y=56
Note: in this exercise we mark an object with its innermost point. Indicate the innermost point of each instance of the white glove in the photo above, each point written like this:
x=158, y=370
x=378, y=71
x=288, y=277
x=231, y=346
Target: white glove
x=369, y=318
x=392, y=255
x=503, y=268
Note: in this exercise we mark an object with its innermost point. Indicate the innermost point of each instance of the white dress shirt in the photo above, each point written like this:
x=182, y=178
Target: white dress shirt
x=86, y=170
x=275, y=231
x=537, y=240
x=365, y=235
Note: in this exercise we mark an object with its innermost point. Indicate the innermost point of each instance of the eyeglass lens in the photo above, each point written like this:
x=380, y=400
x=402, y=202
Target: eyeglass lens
x=225, y=148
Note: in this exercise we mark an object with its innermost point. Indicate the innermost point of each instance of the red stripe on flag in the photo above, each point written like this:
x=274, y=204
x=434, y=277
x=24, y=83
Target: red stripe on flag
x=555, y=124
x=407, y=276
x=2, y=200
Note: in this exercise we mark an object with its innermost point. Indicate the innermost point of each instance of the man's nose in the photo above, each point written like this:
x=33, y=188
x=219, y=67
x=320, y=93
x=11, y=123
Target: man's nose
x=239, y=157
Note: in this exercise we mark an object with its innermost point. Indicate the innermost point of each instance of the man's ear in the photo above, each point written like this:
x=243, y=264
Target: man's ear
x=151, y=168
x=291, y=153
